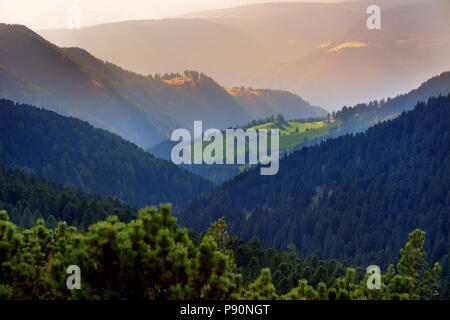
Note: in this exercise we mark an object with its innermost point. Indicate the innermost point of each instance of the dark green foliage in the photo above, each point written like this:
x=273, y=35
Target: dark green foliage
x=148, y=258
x=27, y=198
x=285, y=266
x=72, y=152
x=354, y=198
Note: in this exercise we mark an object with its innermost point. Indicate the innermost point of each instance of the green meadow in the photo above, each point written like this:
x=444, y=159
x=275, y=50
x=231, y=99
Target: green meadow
x=292, y=134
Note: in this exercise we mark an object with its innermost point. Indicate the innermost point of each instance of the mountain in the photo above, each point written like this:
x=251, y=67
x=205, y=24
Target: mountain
x=231, y=45
x=170, y=45
x=142, y=109
x=73, y=153
x=181, y=97
x=359, y=64
x=353, y=198
x=244, y=39
x=194, y=96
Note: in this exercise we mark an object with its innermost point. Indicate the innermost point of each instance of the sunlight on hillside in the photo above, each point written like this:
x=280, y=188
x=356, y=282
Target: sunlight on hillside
x=347, y=45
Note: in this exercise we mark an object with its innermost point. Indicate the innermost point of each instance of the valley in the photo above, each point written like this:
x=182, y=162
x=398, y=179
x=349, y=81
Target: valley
x=253, y=151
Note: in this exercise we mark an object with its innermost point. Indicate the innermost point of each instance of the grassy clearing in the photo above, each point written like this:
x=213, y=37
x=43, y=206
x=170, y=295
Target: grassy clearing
x=292, y=134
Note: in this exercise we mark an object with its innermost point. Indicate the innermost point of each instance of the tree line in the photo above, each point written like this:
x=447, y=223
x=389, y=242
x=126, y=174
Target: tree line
x=151, y=258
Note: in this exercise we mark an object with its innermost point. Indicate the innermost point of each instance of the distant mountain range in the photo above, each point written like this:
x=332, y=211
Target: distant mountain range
x=364, y=115
x=321, y=51
x=359, y=64
x=142, y=109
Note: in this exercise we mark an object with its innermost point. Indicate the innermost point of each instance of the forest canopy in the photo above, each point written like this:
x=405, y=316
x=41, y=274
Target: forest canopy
x=151, y=258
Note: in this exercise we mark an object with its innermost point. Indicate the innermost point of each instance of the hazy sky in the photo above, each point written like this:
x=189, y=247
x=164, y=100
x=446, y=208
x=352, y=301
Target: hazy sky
x=44, y=14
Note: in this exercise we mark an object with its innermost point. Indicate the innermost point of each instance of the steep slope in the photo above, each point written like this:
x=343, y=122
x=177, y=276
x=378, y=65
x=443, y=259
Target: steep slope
x=287, y=30
x=142, y=109
x=74, y=90
x=72, y=152
x=194, y=96
x=352, y=198
x=285, y=46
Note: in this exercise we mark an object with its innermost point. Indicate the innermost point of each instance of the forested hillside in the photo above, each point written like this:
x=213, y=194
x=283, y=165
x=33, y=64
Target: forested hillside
x=353, y=198
x=301, y=46
x=361, y=116
x=73, y=153
x=151, y=258
x=31, y=201
x=27, y=198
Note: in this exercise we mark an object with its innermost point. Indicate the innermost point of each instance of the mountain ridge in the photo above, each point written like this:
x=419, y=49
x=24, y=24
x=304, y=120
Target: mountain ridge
x=142, y=109
x=350, y=198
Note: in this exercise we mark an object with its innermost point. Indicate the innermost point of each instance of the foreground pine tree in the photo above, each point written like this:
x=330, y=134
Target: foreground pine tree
x=151, y=258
